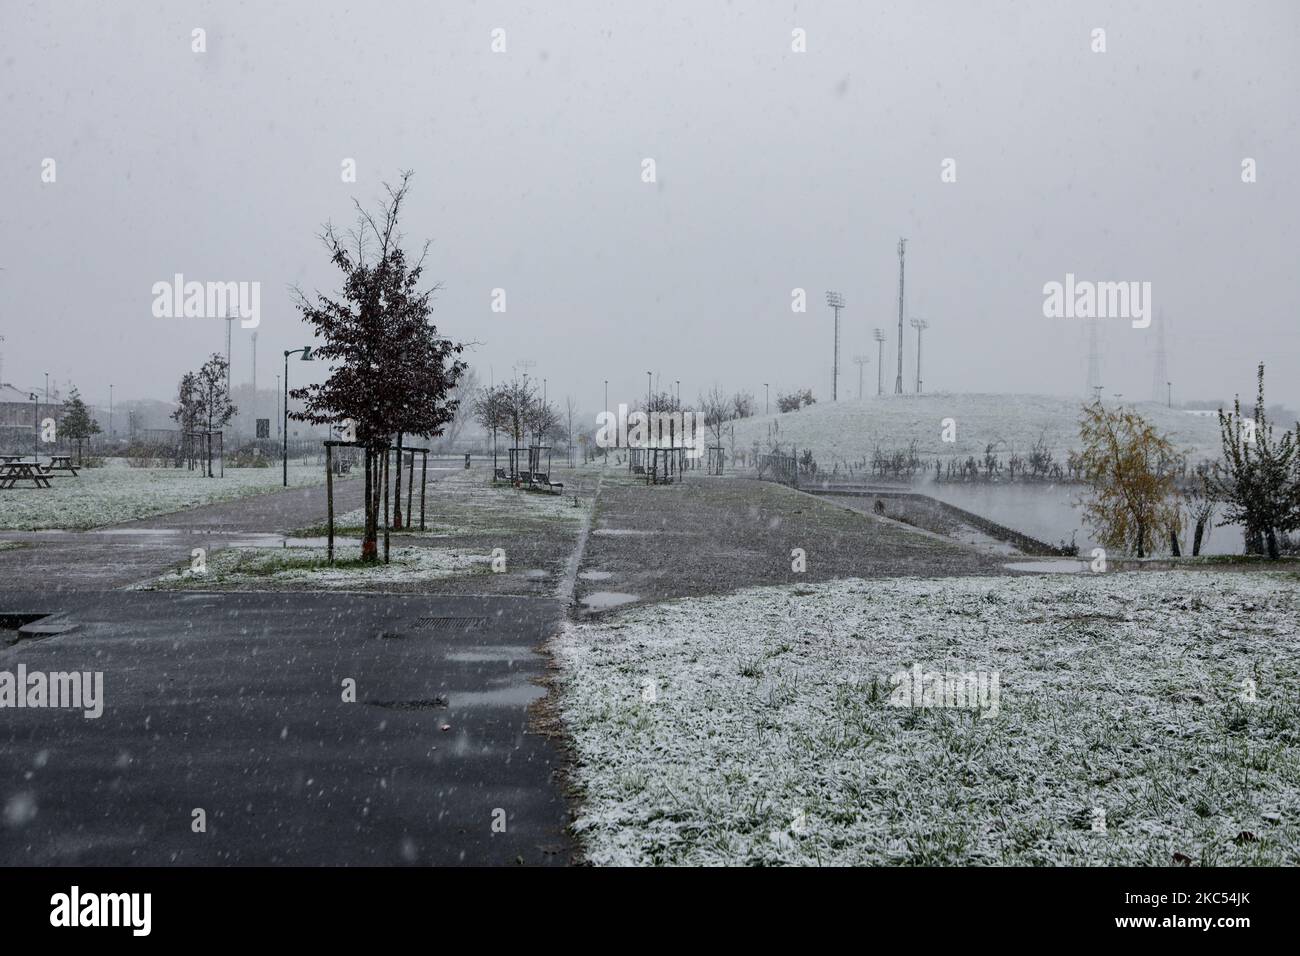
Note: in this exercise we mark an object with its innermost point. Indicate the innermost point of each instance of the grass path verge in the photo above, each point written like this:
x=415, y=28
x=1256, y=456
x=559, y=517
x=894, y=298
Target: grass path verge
x=1144, y=718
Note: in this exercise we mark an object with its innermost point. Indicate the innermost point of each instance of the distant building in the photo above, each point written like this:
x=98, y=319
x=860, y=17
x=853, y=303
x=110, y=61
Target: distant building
x=19, y=417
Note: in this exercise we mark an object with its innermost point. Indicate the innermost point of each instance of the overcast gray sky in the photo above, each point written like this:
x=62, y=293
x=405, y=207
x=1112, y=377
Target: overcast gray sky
x=775, y=169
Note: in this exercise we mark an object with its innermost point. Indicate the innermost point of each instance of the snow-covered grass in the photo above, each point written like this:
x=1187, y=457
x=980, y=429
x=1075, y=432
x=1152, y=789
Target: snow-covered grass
x=849, y=431
x=1125, y=731
x=116, y=493
x=310, y=566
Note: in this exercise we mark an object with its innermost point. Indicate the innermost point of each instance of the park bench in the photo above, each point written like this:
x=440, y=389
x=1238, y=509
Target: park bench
x=12, y=472
x=543, y=479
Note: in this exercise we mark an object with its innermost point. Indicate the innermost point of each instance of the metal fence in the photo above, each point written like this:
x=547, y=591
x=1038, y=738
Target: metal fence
x=780, y=468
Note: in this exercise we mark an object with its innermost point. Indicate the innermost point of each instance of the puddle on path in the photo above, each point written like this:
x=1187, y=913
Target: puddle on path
x=595, y=575
x=484, y=655
x=622, y=531
x=518, y=695
x=600, y=600
x=1060, y=566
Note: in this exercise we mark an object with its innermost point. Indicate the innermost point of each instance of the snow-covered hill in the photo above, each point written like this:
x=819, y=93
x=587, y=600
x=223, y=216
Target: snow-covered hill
x=849, y=431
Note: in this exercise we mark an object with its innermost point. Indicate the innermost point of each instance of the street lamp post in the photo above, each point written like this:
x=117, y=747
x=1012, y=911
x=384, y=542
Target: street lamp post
x=36, y=425
x=284, y=457
x=616, y=426
x=879, y=336
x=860, y=360
x=767, y=407
x=1170, y=399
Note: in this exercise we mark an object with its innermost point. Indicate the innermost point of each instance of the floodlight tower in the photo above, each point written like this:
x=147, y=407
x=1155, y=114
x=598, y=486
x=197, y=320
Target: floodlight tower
x=860, y=360
x=229, y=319
x=879, y=336
x=920, y=325
x=836, y=302
x=902, y=251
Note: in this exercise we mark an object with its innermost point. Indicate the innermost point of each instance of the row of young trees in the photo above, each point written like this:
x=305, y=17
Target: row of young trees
x=1136, y=503
x=517, y=408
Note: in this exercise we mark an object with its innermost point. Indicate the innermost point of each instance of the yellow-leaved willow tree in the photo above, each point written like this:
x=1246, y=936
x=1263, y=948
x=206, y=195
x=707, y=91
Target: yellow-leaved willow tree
x=1132, y=505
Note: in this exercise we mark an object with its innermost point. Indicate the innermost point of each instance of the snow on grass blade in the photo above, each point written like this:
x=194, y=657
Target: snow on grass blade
x=1140, y=716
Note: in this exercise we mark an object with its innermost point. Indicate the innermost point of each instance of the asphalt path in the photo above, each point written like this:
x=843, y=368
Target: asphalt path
x=233, y=704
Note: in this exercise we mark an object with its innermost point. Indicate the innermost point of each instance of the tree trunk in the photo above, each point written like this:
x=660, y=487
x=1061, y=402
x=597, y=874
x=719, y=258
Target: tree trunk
x=1197, y=538
x=369, y=545
x=1141, y=540
x=1271, y=536
x=397, y=505
x=1173, y=543
x=384, y=468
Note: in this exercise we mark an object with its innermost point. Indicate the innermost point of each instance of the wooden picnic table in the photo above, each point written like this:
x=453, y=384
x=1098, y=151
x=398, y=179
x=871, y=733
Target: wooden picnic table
x=62, y=463
x=12, y=472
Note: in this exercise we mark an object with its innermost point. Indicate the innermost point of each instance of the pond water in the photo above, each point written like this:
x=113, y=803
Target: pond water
x=1049, y=513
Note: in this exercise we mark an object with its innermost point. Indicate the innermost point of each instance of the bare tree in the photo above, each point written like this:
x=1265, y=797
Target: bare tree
x=212, y=399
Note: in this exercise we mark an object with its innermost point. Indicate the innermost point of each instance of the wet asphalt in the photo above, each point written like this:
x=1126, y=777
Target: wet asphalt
x=234, y=705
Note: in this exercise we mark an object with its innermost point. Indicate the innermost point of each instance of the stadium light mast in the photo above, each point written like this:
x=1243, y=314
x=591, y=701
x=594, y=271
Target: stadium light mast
x=920, y=325
x=879, y=336
x=902, y=252
x=861, y=360
x=229, y=320
x=836, y=302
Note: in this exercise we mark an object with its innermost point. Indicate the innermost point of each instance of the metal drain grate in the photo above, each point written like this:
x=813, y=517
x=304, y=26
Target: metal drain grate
x=449, y=623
